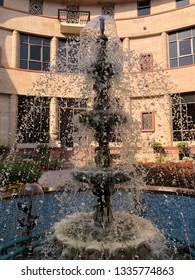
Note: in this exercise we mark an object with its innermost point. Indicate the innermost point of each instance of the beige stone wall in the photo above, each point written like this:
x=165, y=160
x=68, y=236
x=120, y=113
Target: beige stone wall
x=22, y=5
x=144, y=34
x=162, y=123
x=16, y=81
x=156, y=24
x=13, y=20
x=162, y=6
x=151, y=45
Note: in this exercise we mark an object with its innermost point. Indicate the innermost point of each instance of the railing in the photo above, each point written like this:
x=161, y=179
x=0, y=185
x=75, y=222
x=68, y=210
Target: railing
x=73, y=16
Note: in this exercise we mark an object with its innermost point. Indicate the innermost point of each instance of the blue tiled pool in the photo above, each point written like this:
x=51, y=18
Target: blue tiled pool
x=171, y=213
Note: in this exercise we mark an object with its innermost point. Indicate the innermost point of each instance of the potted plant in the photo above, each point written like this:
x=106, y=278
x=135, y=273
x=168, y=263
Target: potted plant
x=158, y=147
x=183, y=148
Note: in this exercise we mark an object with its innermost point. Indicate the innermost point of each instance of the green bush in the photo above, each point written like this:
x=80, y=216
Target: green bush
x=4, y=150
x=24, y=172
x=42, y=149
x=157, y=147
x=168, y=174
x=42, y=155
x=182, y=145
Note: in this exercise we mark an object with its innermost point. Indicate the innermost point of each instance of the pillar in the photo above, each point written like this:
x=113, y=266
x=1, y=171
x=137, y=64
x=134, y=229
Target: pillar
x=53, y=129
x=164, y=46
x=126, y=44
x=126, y=49
x=53, y=52
x=168, y=125
x=13, y=115
x=15, y=49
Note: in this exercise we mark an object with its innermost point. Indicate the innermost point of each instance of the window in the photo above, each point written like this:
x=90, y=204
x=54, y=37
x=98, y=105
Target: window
x=143, y=8
x=68, y=53
x=183, y=116
x=33, y=119
x=68, y=108
x=146, y=62
x=182, y=47
x=181, y=3
x=147, y=121
x=36, y=7
x=34, y=52
x=1, y=2
x=108, y=10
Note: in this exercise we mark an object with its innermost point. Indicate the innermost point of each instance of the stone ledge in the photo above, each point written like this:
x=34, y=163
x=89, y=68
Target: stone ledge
x=183, y=191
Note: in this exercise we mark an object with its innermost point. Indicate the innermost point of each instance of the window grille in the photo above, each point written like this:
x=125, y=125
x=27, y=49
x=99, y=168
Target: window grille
x=183, y=116
x=147, y=121
x=33, y=119
x=146, y=62
x=36, y=7
x=108, y=10
x=68, y=53
x=72, y=14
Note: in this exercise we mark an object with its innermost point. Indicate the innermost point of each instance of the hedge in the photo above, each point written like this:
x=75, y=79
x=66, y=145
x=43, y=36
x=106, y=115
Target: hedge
x=168, y=174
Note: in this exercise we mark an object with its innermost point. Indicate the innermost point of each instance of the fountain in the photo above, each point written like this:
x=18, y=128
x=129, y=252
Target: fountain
x=111, y=218
x=105, y=234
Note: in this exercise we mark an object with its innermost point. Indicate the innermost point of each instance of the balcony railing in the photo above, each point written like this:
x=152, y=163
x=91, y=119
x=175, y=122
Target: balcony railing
x=73, y=16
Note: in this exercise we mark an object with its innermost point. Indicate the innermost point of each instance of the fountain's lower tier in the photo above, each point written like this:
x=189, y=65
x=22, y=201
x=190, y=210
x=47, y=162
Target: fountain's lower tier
x=127, y=237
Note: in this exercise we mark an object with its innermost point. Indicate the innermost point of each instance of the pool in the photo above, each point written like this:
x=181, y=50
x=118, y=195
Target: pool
x=173, y=214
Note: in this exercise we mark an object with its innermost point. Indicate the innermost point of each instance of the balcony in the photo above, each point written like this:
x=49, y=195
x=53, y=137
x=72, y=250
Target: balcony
x=72, y=21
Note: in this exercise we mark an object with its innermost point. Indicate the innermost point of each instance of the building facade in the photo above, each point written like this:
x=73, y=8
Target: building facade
x=33, y=33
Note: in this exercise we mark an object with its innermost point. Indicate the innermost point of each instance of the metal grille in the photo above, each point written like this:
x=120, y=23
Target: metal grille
x=146, y=62
x=108, y=10
x=147, y=121
x=73, y=14
x=36, y=7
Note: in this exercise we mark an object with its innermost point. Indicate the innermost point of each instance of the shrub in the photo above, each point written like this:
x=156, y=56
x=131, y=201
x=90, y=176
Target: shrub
x=184, y=149
x=4, y=150
x=182, y=145
x=42, y=149
x=42, y=155
x=21, y=172
x=157, y=147
x=169, y=174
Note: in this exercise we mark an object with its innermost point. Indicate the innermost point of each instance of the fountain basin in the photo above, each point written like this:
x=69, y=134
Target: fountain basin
x=171, y=212
x=128, y=237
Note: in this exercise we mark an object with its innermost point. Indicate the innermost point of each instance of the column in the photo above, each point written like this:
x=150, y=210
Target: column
x=164, y=45
x=53, y=53
x=13, y=115
x=15, y=49
x=53, y=126
x=126, y=49
x=126, y=44
x=168, y=122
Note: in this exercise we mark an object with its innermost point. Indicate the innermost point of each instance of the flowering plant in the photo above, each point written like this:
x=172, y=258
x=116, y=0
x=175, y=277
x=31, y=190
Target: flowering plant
x=12, y=186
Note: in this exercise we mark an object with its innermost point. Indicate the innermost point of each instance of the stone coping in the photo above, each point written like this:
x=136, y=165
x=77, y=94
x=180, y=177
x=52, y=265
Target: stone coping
x=160, y=189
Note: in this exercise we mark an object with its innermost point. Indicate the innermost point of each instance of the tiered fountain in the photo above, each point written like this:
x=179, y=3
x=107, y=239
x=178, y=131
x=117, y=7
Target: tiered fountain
x=105, y=234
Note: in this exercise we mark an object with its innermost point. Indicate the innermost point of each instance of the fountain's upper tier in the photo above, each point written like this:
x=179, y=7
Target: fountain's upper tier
x=89, y=48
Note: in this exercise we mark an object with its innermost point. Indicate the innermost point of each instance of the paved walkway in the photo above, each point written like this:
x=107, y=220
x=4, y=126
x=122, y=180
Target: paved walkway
x=55, y=178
